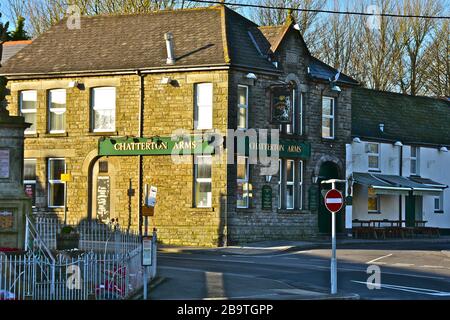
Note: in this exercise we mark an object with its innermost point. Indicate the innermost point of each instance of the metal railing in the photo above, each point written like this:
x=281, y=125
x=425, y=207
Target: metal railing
x=108, y=264
x=88, y=276
x=94, y=235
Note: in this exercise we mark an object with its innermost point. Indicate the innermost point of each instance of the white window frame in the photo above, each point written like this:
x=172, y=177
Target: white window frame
x=300, y=185
x=331, y=117
x=415, y=158
x=373, y=154
x=441, y=204
x=197, y=124
x=56, y=110
x=35, y=175
x=54, y=181
x=93, y=108
x=280, y=180
x=243, y=106
x=204, y=180
x=245, y=182
x=378, y=204
x=300, y=114
x=290, y=183
x=290, y=128
x=22, y=111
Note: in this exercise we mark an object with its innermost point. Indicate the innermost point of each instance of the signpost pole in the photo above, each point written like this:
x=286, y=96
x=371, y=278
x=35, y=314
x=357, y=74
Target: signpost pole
x=145, y=235
x=333, y=202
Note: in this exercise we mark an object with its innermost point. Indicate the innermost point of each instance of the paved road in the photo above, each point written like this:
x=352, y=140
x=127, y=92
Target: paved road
x=406, y=273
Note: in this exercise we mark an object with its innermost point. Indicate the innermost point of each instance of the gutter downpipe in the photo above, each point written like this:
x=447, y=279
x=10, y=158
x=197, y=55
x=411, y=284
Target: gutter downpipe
x=141, y=125
x=400, y=203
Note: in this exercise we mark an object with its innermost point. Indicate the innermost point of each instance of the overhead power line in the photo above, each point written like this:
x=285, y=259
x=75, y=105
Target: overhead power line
x=381, y=14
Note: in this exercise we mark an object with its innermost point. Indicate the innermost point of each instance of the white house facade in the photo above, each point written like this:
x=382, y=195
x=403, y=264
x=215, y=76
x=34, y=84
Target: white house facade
x=398, y=164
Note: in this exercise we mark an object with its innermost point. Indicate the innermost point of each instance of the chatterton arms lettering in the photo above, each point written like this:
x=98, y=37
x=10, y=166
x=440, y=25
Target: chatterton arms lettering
x=124, y=146
x=273, y=147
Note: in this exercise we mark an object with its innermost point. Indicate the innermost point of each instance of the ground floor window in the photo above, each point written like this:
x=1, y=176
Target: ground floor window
x=373, y=204
x=29, y=179
x=56, y=166
x=203, y=181
x=242, y=192
x=290, y=184
x=438, y=205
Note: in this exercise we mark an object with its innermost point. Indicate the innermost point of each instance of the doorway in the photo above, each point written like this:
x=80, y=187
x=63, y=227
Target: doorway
x=328, y=170
x=101, y=185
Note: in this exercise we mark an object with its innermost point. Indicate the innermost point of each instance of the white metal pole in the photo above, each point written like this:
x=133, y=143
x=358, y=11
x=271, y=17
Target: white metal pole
x=65, y=203
x=333, y=251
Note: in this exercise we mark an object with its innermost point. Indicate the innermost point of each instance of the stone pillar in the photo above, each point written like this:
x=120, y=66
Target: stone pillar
x=14, y=204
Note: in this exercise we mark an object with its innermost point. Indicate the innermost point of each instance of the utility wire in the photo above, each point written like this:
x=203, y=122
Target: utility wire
x=394, y=15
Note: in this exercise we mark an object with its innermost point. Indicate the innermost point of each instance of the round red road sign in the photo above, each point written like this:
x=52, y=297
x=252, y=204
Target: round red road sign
x=334, y=200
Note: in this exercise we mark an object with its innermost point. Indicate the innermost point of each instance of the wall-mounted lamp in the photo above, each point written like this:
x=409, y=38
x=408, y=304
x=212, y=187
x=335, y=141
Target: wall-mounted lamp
x=251, y=77
x=314, y=178
x=166, y=80
x=268, y=178
x=356, y=140
x=443, y=149
x=381, y=126
x=335, y=87
x=398, y=144
x=73, y=84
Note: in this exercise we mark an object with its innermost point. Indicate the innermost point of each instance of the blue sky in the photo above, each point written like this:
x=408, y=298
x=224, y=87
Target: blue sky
x=246, y=11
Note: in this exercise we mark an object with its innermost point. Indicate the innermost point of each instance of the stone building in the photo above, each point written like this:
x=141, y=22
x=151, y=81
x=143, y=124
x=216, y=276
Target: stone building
x=105, y=99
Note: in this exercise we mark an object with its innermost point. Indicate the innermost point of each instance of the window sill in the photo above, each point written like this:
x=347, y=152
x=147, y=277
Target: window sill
x=55, y=135
x=324, y=139
x=439, y=211
x=103, y=133
x=31, y=135
x=207, y=209
x=374, y=212
x=292, y=211
x=374, y=170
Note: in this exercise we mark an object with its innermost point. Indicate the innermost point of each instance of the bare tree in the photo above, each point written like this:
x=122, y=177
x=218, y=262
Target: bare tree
x=438, y=62
x=415, y=37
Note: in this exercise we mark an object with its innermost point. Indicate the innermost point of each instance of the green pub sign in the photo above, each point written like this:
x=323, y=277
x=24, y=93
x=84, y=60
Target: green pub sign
x=186, y=145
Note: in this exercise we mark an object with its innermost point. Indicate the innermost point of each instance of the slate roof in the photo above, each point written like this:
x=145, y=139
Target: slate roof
x=409, y=119
x=208, y=36
x=10, y=48
x=317, y=69
x=202, y=37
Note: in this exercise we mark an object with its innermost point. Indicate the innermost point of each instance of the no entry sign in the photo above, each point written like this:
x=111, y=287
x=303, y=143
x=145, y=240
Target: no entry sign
x=334, y=200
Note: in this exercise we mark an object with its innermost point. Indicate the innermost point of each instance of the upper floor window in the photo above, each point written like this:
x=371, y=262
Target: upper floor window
x=56, y=186
x=373, y=155
x=57, y=110
x=103, y=108
x=328, y=117
x=203, y=117
x=203, y=181
x=28, y=105
x=415, y=161
x=242, y=107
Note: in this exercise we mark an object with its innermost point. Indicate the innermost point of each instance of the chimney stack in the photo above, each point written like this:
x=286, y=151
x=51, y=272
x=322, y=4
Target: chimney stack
x=170, y=49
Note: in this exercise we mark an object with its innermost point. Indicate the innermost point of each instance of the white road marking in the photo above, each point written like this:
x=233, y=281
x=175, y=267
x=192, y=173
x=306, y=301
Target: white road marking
x=430, y=292
x=398, y=264
x=374, y=260
x=433, y=267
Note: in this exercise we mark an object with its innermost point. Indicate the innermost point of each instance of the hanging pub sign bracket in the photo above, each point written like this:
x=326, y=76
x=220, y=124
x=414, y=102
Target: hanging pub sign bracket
x=281, y=104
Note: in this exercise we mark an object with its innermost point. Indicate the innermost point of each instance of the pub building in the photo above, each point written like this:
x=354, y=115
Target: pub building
x=104, y=100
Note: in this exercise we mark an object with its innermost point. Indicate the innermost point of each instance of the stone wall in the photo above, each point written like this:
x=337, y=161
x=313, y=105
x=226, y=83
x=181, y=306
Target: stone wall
x=166, y=108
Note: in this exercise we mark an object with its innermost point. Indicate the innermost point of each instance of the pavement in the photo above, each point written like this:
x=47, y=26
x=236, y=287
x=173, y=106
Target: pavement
x=279, y=247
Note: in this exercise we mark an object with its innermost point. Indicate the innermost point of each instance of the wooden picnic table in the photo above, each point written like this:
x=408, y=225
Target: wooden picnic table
x=385, y=227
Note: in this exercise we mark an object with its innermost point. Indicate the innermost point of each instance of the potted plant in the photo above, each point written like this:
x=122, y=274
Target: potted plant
x=67, y=239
